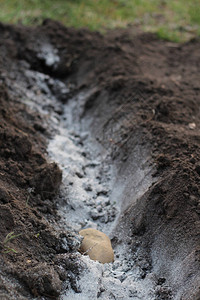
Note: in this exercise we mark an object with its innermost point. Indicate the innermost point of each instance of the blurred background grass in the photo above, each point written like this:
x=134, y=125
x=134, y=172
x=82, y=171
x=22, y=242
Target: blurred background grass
x=175, y=20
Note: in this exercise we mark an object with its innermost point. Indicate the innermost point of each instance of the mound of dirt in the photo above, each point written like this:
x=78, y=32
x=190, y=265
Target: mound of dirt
x=142, y=91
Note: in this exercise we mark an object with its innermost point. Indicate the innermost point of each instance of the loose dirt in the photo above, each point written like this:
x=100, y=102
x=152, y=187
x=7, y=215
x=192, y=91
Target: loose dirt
x=120, y=116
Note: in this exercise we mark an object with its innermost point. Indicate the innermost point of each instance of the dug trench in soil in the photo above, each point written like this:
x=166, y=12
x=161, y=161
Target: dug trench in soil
x=127, y=106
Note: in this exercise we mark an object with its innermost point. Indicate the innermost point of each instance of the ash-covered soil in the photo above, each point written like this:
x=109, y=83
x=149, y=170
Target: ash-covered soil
x=140, y=101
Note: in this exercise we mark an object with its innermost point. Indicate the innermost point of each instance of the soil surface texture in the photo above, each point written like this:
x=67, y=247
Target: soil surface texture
x=138, y=99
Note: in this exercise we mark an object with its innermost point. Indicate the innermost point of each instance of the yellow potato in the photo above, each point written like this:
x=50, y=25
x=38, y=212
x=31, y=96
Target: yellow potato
x=97, y=245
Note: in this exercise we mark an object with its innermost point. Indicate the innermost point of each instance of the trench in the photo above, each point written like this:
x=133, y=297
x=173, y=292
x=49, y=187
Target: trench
x=99, y=191
x=95, y=192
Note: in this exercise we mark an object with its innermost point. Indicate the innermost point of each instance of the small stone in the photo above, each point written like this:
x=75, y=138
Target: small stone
x=97, y=245
x=105, y=219
x=95, y=214
x=90, y=224
x=80, y=174
x=116, y=264
x=100, y=200
x=99, y=208
x=87, y=187
x=120, y=275
x=192, y=125
x=107, y=202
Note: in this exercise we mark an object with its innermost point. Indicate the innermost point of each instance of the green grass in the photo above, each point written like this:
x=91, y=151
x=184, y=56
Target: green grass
x=10, y=236
x=176, y=20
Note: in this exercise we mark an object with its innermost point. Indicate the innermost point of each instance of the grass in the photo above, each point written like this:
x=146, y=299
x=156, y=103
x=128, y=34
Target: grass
x=10, y=236
x=175, y=20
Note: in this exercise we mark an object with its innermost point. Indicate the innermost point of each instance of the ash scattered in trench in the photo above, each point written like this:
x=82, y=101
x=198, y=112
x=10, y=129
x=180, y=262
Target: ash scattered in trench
x=87, y=173
x=93, y=195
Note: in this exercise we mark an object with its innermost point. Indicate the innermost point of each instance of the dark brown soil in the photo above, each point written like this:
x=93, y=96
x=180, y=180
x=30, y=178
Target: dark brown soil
x=152, y=88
